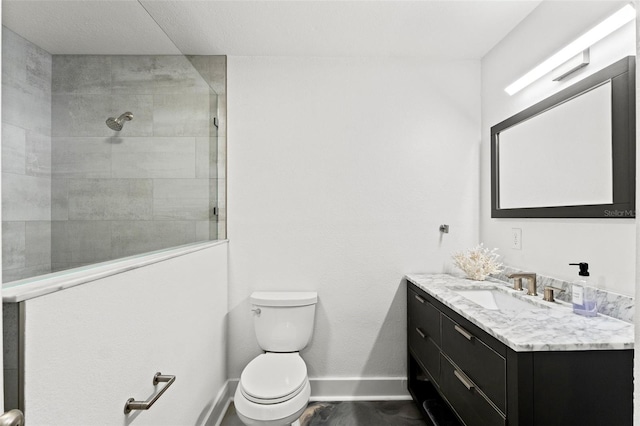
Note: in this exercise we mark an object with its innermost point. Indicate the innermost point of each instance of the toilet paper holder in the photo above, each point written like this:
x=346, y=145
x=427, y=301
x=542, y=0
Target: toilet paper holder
x=132, y=404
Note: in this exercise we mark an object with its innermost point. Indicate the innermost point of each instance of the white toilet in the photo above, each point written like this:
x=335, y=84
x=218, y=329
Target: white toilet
x=274, y=388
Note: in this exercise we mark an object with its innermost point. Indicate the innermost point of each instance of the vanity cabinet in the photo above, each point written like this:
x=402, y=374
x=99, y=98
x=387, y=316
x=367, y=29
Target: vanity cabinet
x=484, y=382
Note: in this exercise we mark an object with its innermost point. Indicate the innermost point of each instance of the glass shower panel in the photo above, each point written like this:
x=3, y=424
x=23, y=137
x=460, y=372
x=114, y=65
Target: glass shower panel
x=140, y=189
x=104, y=155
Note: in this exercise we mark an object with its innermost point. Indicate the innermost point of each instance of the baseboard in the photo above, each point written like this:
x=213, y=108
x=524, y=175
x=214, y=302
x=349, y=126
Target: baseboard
x=222, y=401
x=359, y=389
x=352, y=388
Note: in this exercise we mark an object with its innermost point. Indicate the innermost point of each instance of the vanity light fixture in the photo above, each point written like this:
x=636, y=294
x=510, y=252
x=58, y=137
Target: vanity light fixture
x=595, y=34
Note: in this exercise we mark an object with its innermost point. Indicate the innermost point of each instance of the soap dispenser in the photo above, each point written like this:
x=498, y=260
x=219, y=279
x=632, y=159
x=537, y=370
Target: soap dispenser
x=583, y=296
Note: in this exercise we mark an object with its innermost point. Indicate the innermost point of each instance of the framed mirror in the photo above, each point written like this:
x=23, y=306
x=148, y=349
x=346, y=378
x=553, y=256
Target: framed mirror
x=571, y=155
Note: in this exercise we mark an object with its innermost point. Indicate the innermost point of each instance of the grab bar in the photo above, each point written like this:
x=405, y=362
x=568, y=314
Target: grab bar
x=132, y=404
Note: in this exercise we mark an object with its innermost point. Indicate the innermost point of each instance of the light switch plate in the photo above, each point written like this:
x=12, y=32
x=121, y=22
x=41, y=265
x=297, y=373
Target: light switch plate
x=516, y=238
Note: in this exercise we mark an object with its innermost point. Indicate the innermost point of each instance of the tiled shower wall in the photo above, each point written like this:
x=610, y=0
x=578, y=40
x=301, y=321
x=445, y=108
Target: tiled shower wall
x=26, y=158
x=144, y=188
x=76, y=192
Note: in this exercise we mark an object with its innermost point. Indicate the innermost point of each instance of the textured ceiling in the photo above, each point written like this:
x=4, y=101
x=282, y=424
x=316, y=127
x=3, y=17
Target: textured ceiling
x=446, y=29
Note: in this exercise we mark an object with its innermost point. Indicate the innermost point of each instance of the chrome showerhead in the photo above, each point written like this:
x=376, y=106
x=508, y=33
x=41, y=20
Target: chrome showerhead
x=117, y=123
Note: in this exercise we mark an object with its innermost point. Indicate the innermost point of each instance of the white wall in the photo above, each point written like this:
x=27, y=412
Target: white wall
x=548, y=245
x=340, y=172
x=90, y=348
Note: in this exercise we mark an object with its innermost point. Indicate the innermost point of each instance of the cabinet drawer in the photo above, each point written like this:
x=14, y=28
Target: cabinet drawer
x=478, y=361
x=424, y=315
x=463, y=395
x=426, y=352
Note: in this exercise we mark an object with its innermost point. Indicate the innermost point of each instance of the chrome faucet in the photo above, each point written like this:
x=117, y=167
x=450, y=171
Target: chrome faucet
x=517, y=282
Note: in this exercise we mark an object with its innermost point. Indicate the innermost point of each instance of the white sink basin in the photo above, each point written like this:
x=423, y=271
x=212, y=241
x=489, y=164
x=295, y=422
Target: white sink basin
x=495, y=299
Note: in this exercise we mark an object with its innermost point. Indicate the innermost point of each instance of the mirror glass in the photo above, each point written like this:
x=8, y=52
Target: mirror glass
x=579, y=172
x=571, y=155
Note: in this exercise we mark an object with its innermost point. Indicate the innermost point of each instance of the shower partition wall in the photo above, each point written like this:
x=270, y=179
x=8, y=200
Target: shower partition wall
x=77, y=191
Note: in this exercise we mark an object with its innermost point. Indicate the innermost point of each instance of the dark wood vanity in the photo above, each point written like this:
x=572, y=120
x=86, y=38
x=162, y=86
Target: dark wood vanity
x=484, y=382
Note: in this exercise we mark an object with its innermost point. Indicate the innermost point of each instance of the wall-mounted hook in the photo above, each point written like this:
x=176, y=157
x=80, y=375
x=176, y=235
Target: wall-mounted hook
x=444, y=229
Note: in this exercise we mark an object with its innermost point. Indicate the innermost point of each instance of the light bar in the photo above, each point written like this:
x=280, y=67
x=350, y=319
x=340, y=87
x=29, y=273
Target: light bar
x=595, y=34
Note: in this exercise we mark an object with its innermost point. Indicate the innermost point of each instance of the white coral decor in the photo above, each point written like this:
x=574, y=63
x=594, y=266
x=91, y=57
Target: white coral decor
x=478, y=262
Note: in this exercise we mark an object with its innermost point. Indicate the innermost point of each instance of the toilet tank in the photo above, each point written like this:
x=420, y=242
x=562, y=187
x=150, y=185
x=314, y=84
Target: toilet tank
x=283, y=320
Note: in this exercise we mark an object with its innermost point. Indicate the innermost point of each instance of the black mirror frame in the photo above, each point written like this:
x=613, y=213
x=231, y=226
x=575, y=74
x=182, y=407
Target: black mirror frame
x=623, y=110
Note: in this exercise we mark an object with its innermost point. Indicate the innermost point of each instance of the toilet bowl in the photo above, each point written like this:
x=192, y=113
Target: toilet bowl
x=274, y=388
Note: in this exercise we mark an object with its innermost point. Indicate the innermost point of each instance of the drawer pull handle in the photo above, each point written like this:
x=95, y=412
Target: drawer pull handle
x=419, y=299
x=466, y=382
x=464, y=332
x=421, y=333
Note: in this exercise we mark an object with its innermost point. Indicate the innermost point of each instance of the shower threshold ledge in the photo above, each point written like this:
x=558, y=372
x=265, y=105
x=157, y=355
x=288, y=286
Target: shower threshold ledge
x=29, y=288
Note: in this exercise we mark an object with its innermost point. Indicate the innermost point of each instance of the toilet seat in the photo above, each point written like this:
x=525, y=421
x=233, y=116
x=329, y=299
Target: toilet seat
x=272, y=378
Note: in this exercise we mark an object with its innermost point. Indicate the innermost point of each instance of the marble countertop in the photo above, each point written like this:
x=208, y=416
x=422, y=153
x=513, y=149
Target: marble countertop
x=552, y=327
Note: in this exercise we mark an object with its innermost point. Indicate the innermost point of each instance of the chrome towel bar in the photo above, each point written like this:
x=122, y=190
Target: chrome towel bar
x=132, y=404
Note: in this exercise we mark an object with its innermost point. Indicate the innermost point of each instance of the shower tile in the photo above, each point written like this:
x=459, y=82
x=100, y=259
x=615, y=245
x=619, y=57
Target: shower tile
x=220, y=157
x=70, y=265
x=89, y=74
x=14, y=59
x=110, y=199
x=80, y=241
x=39, y=70
x=181, y=209
x=13, y=149
x=59, y=199
x=203, y=230
x=134, y=237
x=220, y=232
x=181, y=199
x=133, y=74
x=154, y=158
x=38, y=154
x=13, y=245
x=181, y=115
x=26, y=197
x=202, y=157
x=222, y=115
x=26, y=84
x=38, y=243
x=214, y=192
x=175, y=74
x=9, y=275
x=218, y=73
x=81, y=157
x=25, y=109
x=85, y=115
x=25, y=65
x=201, y=65
x=142, y=108
x=181, y=188
x=80, y=115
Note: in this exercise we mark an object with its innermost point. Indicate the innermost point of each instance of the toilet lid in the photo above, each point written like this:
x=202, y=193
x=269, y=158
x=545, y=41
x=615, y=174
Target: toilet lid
x=273, y=376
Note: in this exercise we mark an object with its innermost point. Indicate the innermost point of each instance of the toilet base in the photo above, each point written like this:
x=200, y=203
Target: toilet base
x=263, y=415
x=291, y=420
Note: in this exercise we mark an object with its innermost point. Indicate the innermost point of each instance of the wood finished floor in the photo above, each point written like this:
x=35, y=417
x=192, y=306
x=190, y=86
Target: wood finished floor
x=356, y=413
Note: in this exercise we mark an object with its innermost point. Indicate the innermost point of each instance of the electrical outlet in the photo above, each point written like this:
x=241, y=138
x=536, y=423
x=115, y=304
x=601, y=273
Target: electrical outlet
x=516, y=238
